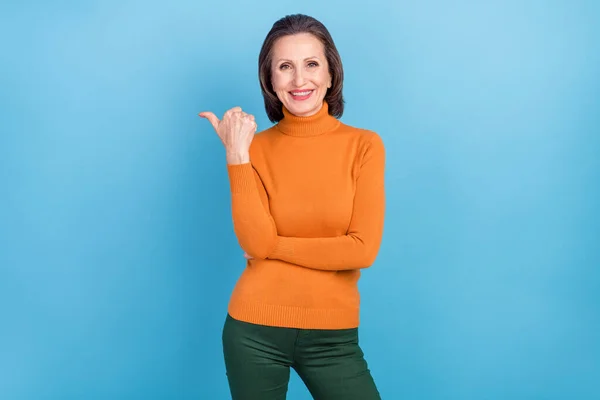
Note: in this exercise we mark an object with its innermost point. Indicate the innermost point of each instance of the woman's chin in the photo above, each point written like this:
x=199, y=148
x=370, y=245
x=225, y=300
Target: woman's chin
x=302, y=110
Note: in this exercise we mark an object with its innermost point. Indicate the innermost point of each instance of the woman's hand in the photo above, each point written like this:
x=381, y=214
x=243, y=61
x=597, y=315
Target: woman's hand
x=236, y=131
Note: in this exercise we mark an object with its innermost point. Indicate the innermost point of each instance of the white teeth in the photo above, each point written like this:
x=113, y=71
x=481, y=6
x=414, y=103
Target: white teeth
x=301, y=93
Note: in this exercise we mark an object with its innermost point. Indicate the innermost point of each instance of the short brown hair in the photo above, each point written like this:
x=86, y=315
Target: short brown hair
x=291, y=25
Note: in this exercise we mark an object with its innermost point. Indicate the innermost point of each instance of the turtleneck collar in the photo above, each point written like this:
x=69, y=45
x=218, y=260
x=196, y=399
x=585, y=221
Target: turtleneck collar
x=314, y=125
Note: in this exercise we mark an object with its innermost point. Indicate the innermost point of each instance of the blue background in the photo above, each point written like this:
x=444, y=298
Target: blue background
x=117, y=253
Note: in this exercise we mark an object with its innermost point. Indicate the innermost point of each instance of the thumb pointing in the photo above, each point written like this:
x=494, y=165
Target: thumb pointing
x=212, y=118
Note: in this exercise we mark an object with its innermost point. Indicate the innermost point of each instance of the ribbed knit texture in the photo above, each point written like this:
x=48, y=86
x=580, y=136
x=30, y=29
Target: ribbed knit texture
x=310, y=208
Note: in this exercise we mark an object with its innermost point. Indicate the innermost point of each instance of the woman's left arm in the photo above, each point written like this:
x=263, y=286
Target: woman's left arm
x=359, y=247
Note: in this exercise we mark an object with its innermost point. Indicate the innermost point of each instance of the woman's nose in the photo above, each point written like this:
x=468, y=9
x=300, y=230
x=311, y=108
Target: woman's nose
x=298, y=78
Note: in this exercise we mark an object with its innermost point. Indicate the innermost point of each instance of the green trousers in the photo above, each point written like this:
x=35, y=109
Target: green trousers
x=330, y=362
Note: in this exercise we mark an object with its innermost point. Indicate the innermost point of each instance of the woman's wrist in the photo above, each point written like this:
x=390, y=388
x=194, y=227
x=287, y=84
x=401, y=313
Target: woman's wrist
x=238, y=157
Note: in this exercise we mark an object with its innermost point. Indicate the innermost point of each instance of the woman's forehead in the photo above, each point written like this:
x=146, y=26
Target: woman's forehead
x=298, y=46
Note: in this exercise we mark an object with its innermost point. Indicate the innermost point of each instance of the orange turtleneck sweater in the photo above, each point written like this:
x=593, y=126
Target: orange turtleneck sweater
x=309, y=207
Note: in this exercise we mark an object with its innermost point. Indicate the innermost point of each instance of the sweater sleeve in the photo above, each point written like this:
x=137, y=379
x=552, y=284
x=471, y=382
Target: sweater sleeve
x=252, y=222
x=359, y=247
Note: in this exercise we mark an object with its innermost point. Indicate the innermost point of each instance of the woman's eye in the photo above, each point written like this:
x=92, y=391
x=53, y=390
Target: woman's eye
x=313, y=64
x=283, y=66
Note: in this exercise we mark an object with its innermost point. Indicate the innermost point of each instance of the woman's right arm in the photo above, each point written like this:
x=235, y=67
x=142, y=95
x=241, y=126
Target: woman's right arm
x=252, y=221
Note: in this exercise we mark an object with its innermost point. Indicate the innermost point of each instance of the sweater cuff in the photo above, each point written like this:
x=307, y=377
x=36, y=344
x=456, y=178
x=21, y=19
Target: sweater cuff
x=283, y=249
x=241, y=178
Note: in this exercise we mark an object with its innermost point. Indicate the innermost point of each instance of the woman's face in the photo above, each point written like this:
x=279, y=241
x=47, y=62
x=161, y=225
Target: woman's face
x=300, y=74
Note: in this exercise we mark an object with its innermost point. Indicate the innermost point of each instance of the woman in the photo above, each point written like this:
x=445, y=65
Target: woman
x=308, y=209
